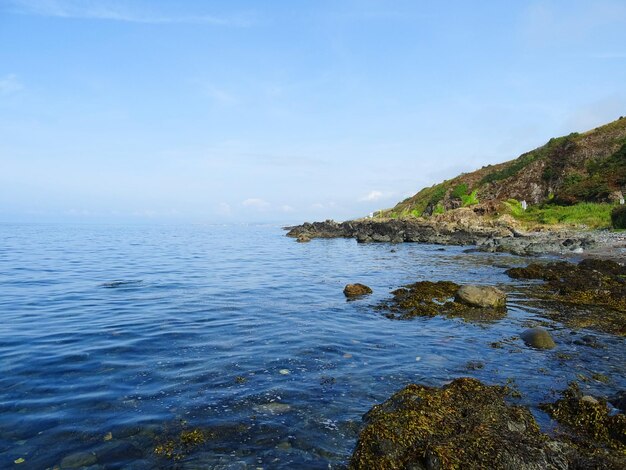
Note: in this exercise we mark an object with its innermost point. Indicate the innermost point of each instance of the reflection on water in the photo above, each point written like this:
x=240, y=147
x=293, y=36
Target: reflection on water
x=115, y=340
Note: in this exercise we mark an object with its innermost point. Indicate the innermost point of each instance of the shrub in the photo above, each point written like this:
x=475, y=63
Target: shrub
x=459, y=191
x=470, y=199
x=618, y=217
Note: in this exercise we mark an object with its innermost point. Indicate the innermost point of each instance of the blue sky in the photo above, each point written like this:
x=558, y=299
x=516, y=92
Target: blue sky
x=233, y=111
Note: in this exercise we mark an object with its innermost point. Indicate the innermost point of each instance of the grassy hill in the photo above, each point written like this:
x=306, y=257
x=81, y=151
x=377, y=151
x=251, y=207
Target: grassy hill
x=575, y=169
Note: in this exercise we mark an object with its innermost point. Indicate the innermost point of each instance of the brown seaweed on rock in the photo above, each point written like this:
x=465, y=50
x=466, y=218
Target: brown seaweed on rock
x=463, y=425
x=427, y=299
x=592, y=283
x=468, y=425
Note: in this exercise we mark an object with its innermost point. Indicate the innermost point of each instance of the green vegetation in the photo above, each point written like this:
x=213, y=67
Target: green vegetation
x=618, y=217
x=585, y=214
x=470, y=199
x=459, y=191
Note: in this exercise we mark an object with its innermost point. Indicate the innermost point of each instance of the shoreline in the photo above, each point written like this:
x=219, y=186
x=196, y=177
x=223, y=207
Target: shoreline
x=484, y=235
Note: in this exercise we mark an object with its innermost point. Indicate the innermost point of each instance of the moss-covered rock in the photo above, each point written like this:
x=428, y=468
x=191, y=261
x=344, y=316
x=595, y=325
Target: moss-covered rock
x=427, y=299
x=538, y=338
x=481, y=296
x=590, y=283
x=463, y=425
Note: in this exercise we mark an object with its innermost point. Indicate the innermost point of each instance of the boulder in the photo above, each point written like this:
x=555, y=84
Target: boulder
x=538, y=338
x=356, y=290
x=302, y=238
x=481, y=296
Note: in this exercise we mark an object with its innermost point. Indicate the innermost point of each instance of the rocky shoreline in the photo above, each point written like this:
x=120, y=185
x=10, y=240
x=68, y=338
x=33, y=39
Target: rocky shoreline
x=465, y=228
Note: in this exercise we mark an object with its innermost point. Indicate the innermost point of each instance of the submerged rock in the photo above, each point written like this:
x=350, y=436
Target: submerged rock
x=426, y=298
x=481, y=296
x=464, y=424
x=78, y=460
x=538, y=338
x=591, y=283
x=356, y=290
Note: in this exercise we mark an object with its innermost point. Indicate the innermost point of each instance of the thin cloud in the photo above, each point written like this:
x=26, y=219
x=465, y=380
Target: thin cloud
x=373, y=196
x=10, y=84
x=256, y=203
x=113, y=11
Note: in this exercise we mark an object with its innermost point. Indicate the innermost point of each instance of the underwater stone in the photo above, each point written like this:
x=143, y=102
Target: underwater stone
x=538, y=338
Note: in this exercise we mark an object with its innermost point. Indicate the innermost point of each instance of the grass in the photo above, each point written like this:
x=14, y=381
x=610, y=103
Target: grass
x=585, y=214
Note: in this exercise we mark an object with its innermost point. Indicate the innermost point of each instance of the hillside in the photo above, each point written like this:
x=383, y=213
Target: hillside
x=586, y=167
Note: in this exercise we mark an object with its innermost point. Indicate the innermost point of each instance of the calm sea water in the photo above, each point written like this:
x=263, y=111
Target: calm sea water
x=115, y=338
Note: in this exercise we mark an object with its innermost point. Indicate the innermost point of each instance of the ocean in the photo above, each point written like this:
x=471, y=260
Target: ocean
x=116, y=340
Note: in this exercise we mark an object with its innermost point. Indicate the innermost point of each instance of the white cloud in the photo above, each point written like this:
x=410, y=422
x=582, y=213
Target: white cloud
x=112, y=10
x=287, y=208
x=373, y=196
x=10, y=84
x=256, y=203
x=317, y=206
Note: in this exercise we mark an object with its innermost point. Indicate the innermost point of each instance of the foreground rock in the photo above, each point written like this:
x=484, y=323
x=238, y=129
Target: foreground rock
x=538, y=338
x=597, y=285
x=465, y=425
x=469, y=425
x=481, y=296
x=462, y=226
x=356, y=290
x=427, y=299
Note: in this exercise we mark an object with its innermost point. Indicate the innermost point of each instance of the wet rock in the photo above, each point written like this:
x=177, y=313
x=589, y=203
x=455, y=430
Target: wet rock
x=302, y=238
x=78, y=460
x=619, y=401
x=464, y=424
x=180, y=445
x=587, y=423
x=481, y=296
x=356, y=290
x=538, y=338
x=426, y=298
x=273, y=408
x=591, y=283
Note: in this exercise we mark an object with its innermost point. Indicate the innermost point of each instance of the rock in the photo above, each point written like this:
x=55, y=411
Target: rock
x=303, y=238
x=538, y=338
x=464, y=424
x=273, y=408
x=78, y=460
x=619, y=401
x=481, y=296
x=589, y=399
x=356, y=290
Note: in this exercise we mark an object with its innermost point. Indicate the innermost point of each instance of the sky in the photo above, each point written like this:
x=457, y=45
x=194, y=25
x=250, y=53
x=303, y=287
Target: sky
x=232, y=111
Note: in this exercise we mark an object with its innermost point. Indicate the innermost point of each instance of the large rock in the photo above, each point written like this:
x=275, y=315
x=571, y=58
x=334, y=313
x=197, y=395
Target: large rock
x=481, y=296
x=356, y=290
x=538, y=338
x=465, y=424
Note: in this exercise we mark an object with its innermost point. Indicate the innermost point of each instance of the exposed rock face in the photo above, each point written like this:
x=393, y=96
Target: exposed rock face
x=481, y=296
x=591, y=283
x=464, y=424
x=356, y=290
x=538, y=338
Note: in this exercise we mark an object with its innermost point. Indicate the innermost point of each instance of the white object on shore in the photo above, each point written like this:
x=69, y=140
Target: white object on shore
x=621, y=201
x=524, y=205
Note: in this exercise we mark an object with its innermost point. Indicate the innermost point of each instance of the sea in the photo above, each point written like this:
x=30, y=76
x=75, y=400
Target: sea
x=119, y=342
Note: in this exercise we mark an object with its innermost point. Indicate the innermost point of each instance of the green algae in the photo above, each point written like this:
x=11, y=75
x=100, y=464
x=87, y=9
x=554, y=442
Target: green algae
x=428, y=299
x=597, y=285
x=464, y=424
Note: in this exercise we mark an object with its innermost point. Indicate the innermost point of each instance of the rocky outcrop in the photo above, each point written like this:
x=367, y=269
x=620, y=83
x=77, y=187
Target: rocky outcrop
x=469, y=425
x=590, y=284
x=427, y=299
x=460, y=227
x=464, y=424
